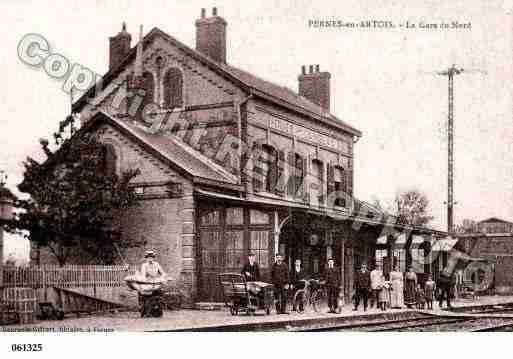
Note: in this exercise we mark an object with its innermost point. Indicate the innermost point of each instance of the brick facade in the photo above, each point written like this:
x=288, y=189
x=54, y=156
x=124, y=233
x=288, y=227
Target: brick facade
x=217, y=102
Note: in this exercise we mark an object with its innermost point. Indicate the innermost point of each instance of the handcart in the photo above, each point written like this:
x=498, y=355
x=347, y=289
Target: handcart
x=149, y=293
x=241, y=296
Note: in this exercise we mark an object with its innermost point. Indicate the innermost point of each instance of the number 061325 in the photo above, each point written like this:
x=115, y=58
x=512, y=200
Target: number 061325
x=26, y=347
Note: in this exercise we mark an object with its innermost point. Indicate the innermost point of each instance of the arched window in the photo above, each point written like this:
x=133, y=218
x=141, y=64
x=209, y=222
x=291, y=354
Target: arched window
x=318, y=175
x=173, y=84
x=296, y=174
x=109, y=160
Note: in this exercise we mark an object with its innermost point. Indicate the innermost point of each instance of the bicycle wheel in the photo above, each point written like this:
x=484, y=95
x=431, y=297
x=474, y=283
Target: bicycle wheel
x=318, y=300
x=299, y=301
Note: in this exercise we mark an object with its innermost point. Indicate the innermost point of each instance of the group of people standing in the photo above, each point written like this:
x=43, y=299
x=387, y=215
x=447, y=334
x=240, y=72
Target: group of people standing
x=397, y=291
x=401, y=290
x=284, y=281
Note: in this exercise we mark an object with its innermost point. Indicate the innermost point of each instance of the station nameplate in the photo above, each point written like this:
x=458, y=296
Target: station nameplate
x=307, y=134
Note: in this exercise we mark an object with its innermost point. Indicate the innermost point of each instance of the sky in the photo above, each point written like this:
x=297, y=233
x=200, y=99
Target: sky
x=383, y=82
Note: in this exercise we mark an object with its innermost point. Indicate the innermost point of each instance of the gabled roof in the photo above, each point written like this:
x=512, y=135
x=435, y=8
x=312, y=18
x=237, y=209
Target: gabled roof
x=171, y=151
x=246, y=81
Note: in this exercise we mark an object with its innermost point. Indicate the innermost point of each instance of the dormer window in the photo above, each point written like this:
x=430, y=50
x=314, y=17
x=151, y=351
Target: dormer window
x=173, y=88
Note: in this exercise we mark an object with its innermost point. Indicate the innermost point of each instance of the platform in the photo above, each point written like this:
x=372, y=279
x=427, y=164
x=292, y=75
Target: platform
x=221, y=320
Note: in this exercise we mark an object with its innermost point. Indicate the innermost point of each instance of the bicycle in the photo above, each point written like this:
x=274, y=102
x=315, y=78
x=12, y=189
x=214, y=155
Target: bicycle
x=313, y=294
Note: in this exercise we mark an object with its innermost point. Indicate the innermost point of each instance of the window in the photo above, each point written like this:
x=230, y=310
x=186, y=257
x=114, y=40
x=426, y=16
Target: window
x=210, y=218
x=234, y=216
x=258, y=217
x=318, y=174
x=234, y=249
x=267, y=167
x=173, y=84
x=417, y=259
x=297, y=175
x=259, y=244
x=380, y=254
x=340, y=184
x=211, y=249
x=109, y=160
x=400, y=259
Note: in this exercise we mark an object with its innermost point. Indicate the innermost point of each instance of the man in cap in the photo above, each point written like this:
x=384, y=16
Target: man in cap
x=250, y=270
x=280, y=280
x=333, y=285
x=362, y=283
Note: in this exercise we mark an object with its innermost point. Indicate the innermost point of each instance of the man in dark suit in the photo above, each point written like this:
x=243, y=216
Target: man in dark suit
x=362, y=284
x=333, y=285
x=250, y=270
x=296, y=281
x=280, y=280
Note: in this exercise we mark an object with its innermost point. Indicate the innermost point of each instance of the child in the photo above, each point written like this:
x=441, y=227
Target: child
x=384, y=295
x=430, y=292
x=420, y=296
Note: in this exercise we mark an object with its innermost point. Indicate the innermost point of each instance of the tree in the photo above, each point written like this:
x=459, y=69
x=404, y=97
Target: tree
x=467, y=226
x=412, y=208
x=75, y=198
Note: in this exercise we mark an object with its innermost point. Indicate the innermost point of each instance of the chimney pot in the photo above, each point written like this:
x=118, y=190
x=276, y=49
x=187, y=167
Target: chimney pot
x=211, y=36
x=303, y=70
x=203, y=13
x=316, y=86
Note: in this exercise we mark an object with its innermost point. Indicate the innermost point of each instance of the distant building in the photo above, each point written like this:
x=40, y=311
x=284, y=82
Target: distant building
x=493, y=241
x=495, y=226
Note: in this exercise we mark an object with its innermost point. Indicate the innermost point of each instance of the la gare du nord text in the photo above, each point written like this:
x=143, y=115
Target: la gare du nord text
x=385, y=24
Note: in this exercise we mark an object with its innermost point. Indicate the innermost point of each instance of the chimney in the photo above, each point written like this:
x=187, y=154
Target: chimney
x=119, y=47
x=315, y=86
x=211, y=36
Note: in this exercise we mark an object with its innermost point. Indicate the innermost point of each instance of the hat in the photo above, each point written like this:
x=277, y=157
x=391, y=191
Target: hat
x=149, y=253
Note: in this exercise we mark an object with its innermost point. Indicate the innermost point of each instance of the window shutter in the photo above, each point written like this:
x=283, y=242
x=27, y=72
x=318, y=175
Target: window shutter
x=280, y=179
x=330, y=170
x=257, y=169
x=272, y=164
x=291, y=172
x=304, y=184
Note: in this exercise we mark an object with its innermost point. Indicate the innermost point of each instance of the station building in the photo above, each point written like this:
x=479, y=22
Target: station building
x=232, y=163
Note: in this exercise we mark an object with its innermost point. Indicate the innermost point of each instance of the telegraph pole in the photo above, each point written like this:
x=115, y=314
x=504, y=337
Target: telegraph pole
x=450, y=73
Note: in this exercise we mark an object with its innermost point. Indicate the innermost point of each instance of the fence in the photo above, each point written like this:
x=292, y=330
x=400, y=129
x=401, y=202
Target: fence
x=105, y=282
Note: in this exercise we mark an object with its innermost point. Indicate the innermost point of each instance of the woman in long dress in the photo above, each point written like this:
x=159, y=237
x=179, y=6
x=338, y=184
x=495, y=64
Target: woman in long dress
x=410, y=288
x=397, y=296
